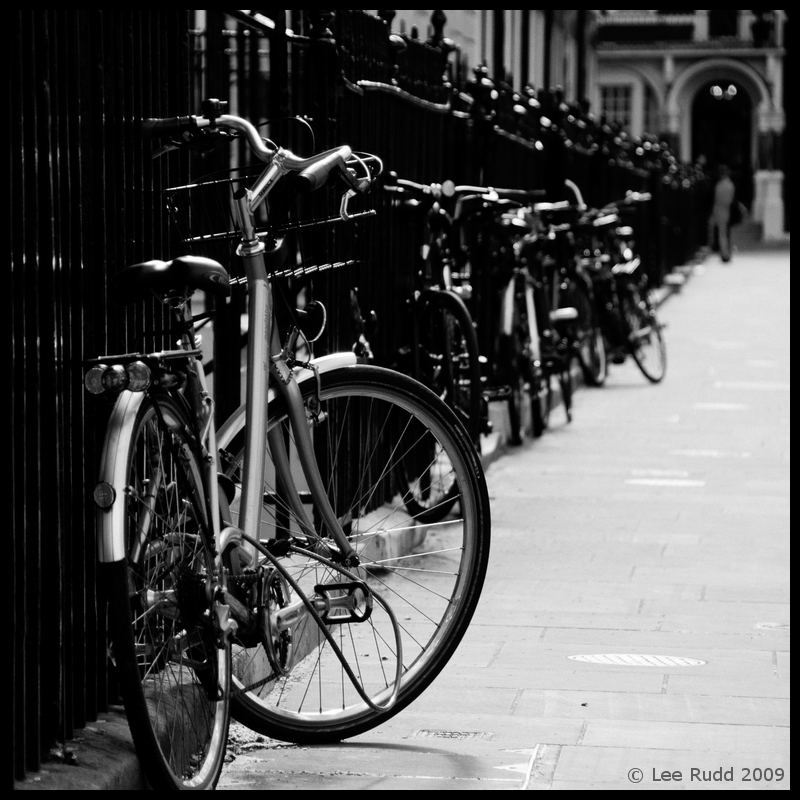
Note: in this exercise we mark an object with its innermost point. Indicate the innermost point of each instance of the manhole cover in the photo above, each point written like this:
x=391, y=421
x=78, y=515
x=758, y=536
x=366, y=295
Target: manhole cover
x=631, y=660
x=433, y=734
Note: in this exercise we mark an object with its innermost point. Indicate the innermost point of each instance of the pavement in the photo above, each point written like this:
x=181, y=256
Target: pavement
x=633, y=631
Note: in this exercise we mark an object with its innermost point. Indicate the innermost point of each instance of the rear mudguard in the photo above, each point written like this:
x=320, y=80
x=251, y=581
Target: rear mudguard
x=110, y=491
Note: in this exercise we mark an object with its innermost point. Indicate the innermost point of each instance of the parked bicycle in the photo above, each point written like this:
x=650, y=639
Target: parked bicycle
x=309, y=600
x=443, y=352
x=539, y=308
x=580, y=289
x=628, y=317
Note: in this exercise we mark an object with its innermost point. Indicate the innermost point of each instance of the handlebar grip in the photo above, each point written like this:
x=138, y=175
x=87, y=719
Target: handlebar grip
x=161, y=128
x=316, y=175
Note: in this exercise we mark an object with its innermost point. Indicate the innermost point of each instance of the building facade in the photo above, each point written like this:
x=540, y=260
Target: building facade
x=709, y=83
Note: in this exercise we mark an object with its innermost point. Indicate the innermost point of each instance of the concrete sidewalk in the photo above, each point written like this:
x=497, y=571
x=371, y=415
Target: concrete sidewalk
x=634, y=627
x=655, y=524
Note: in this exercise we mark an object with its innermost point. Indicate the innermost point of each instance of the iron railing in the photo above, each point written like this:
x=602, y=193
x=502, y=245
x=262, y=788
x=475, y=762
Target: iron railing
x=86, y=199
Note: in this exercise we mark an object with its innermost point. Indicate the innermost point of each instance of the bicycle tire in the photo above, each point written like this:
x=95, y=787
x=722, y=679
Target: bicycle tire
x=541, y=401
x=450, y=349
x=565, y=382
x=589, y=336
x=450, y=367
x=647, y=345
x=530, y=396
x=173, y=667
x=431, y=574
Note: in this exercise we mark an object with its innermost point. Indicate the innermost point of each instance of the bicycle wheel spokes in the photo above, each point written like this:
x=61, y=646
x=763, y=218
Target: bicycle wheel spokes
x=173, y=675
x=646, y=340
x=422, y=578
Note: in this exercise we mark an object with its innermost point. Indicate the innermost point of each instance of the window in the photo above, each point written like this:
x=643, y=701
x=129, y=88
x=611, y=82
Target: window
x=616, y=104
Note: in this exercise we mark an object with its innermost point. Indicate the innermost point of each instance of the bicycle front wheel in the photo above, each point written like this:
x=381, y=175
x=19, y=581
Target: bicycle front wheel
x=646, y=340
x=375, y=428
x=591, y=342
x=450, y=356
x=172, y=663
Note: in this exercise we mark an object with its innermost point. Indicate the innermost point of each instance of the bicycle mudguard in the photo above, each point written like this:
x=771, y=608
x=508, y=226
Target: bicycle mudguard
x=323, y=364
x=109, y=493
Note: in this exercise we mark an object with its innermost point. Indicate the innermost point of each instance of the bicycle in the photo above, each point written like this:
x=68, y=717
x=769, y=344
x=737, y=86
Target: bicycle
x=543, y=301
x=591, y=347
x=505, y=229
x=307, y=602
x=444, y=352
x=444, y=332
x=628, y=317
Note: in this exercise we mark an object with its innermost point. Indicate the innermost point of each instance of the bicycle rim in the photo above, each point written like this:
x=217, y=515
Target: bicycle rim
x=173, y=675
x=646, y=339
x=428, y=574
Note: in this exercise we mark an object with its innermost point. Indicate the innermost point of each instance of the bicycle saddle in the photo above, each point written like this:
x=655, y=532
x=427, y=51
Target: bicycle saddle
x=163, y=277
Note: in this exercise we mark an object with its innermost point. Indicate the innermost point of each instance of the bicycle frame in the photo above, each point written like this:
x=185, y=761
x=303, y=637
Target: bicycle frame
x=266, y=359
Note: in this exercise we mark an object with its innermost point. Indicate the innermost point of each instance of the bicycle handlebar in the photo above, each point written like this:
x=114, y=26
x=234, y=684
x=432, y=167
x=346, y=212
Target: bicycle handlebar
x=450, y=189
x=593, y=216
x=314, y=170
x=315, y=175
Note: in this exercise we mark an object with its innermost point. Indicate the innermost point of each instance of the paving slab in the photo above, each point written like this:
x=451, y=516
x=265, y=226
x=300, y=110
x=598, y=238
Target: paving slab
x=634, y=706
x=762, y=741
x=655, y=524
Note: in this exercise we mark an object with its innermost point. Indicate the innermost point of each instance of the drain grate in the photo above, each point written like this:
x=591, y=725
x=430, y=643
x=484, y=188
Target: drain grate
x=637, y=660
x=469, y=735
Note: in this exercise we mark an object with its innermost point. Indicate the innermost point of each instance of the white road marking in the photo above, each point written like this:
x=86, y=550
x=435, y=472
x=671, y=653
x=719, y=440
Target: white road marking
x=679, y=482
x=721, y=406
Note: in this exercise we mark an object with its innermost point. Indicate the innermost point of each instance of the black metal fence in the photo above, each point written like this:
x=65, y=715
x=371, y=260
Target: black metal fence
x=82, y=205
x=85, y=200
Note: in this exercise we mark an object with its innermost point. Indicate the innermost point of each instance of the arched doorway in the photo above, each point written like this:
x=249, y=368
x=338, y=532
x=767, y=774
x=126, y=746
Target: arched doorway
x=722, y=131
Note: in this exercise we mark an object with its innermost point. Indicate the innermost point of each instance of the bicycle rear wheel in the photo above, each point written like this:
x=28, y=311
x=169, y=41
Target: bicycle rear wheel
x=646, y=340
x=172, y=663
x=376, y=428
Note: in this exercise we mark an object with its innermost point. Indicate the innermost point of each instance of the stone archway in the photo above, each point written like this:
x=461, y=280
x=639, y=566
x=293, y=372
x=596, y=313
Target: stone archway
x=722, y=132
x=766, y=124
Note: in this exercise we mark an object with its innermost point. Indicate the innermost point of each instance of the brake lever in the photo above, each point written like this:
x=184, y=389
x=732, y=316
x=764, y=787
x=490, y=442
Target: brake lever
x=163, y=150
x=343, y=213
x=205, y=141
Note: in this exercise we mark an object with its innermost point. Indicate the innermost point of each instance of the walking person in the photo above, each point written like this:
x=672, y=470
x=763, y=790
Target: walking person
x=719, y=223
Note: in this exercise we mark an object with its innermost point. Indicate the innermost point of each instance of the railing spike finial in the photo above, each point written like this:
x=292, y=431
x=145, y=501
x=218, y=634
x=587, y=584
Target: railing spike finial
x=438, y=20
x=320, y=21
x=387, y=17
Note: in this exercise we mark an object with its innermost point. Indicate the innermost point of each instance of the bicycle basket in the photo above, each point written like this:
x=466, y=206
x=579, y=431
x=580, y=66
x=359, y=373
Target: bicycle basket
x=205, y=220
